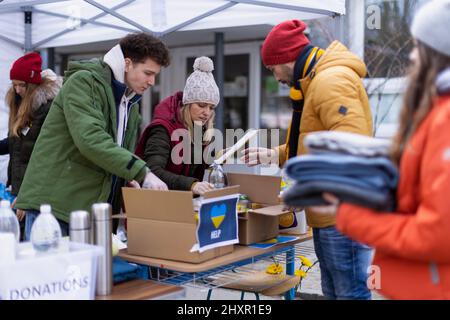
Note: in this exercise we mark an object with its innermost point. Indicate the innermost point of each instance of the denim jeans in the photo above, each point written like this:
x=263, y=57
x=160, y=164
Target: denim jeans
x=343, y=263
x=31, y=215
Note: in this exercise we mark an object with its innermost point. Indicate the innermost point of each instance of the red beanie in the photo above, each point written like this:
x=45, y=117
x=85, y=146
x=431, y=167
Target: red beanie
x=27, y=68
x=284, y=43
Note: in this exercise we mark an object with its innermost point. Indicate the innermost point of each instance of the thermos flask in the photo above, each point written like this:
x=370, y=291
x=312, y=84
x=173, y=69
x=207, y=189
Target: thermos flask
x=102, y=237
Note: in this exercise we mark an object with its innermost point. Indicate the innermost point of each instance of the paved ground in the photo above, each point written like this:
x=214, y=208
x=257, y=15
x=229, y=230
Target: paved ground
x=310, y=288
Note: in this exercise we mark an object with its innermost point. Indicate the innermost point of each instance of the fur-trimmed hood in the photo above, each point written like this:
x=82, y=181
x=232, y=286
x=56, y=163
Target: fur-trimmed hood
x=47, y=90
x=443, y=82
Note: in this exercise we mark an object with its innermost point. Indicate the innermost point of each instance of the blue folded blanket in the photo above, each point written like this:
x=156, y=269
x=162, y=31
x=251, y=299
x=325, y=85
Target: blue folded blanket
x=310, y=194
x=366, y=181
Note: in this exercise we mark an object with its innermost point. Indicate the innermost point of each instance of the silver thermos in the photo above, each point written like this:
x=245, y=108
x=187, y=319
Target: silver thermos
x=102, y=237
x=80, y=227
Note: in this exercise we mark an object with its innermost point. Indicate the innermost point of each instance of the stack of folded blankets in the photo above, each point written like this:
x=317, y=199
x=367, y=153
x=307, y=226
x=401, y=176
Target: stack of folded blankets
x=354, y=168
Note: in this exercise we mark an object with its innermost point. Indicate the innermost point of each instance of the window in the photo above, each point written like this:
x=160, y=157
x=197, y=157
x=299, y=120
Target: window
x=388, y=40
x=236, y=89
x=385, y=98
x=276, y=107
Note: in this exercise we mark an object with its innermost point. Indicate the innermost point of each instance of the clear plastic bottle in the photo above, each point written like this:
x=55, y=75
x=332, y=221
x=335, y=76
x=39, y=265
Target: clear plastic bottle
x=217, y=177
x=8, y=220
x=121, y=232
x=45, y=232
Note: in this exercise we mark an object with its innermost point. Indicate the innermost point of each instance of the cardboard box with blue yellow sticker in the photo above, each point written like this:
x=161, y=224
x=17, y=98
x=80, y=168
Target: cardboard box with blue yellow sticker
x=262, y=221
x=162, y=224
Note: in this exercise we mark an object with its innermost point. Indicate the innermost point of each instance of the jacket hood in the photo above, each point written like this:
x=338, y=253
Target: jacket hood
x=116, y=61
x=47, y=90
x=166, y=114
x=95, y=66
x=443, y=82
x=338, y=55
x=169, y=108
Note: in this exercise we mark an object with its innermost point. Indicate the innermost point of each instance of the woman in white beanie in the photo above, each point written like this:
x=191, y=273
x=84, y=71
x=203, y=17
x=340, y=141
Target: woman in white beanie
x=413, y=244
x=183, y=110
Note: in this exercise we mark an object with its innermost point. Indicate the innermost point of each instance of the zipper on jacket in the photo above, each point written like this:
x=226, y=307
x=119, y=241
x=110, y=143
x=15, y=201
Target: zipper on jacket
x=114, y=177
x=434, y=273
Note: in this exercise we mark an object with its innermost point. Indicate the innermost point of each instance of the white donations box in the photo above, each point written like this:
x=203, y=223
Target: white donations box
x=67, y=274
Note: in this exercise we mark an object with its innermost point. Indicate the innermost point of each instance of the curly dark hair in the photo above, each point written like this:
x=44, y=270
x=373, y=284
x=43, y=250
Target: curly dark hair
x=140, y=46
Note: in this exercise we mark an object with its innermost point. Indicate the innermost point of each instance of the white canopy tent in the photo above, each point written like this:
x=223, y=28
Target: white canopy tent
x=68, y=22
x=29, y=25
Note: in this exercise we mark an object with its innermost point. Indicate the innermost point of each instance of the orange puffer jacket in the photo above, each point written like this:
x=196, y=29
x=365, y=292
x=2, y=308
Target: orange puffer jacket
x=413, y=244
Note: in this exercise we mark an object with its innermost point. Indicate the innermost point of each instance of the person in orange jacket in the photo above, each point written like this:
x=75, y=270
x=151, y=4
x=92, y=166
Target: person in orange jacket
x=412, y=259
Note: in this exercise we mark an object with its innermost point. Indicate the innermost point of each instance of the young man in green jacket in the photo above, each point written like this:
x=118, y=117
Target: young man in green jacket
x=84, y=153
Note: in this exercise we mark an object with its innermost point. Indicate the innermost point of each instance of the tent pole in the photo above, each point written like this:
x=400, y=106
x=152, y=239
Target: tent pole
x=285, y=6
x=48, y=58
x=15, y=6
x=28, y=46
x=339, y=28
x=200, y=17
x=118, y=16
x=220, y=78
x=16, y=43
x=83, y=22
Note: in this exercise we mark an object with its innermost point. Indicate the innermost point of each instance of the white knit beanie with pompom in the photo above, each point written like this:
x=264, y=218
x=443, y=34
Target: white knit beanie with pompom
x=200, y=85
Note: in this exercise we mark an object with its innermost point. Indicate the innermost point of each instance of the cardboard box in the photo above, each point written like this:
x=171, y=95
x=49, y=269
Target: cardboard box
x=161, y=224
x=263, y=223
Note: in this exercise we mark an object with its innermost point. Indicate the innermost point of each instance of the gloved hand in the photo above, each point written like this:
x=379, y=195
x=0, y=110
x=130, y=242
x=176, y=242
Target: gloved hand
x=201, y=187
x=153, y=182
x=254, y=156
x=133, y=184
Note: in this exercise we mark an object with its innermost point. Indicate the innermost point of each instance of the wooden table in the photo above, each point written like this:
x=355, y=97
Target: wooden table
x=241, y=254
x=143, y=290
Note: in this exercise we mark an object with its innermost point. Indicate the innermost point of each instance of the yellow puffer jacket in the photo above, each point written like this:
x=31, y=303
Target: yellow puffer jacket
x=335, y=99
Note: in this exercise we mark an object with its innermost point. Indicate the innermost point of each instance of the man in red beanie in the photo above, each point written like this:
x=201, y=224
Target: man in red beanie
x=327, y=93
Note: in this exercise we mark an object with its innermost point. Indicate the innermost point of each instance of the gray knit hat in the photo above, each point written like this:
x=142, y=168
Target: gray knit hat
x=431, y=25
x=200, y=85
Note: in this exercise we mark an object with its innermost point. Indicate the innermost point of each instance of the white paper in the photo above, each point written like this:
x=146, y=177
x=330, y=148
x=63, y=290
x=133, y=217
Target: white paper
x=250, y=134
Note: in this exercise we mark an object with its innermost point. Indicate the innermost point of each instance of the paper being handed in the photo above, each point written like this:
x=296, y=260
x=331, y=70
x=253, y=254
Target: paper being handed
x=230, y=151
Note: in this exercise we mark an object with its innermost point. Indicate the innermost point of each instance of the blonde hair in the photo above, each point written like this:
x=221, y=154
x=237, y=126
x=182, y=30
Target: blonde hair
x=189, y=124
x=21, y=109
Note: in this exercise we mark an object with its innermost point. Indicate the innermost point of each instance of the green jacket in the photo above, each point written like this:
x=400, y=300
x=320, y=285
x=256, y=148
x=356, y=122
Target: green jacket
x=76, y=154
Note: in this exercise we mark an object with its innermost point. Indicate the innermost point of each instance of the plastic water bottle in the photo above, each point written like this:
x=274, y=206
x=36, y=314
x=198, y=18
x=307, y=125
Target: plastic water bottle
x=121, y=232
x=8, y=220
x=45, y=232
x=217, y=177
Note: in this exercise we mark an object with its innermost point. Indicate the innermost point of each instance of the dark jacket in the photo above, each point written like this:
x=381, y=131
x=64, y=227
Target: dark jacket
x=4, y=148
x=20, y=147
x=155, y=147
